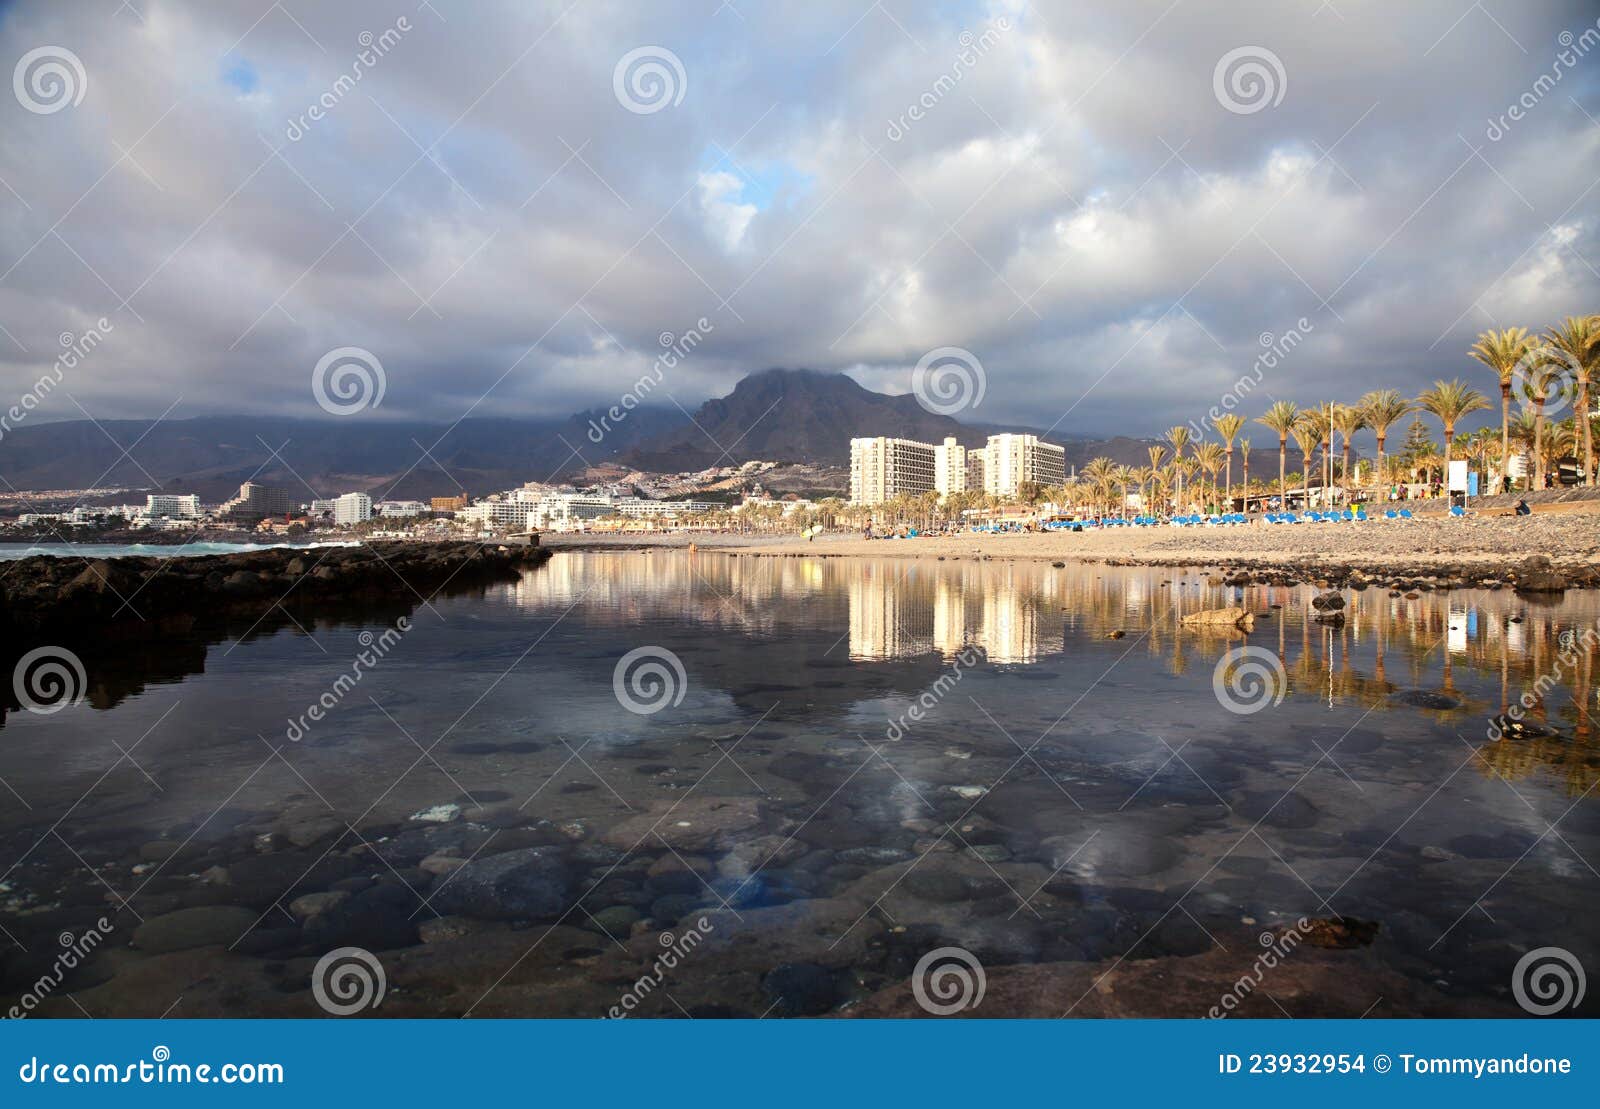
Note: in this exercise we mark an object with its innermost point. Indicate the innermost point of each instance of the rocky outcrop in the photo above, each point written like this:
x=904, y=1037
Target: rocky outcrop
x=46, y=599
x=1536, y=575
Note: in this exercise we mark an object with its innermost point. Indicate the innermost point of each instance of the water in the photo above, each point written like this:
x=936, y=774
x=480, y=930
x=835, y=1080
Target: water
x=864, y=760
x=12, y=551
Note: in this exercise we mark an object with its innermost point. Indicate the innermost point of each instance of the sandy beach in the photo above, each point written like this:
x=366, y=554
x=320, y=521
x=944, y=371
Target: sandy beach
x=1478, y=548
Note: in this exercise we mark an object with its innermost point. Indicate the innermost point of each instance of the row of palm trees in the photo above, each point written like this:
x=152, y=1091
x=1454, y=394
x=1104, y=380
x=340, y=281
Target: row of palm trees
x=1542, y=369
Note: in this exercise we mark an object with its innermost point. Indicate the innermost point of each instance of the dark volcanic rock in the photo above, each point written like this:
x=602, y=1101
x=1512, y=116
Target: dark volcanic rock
x=530, y=883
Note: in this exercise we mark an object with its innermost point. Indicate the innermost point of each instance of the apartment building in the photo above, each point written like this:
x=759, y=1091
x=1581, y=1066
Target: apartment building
x=949, y=468
x=1011, y=459
x=882, y=469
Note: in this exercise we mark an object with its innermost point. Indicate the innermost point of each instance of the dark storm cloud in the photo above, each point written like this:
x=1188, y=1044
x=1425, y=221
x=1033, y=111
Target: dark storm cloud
x=1075, y=204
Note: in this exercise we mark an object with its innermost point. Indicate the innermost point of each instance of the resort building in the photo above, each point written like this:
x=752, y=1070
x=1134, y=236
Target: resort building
x=882, y=469
x=450, y=504
x=352, y=508
x=255, y=502
x=322, y=507
x=186, y=505
x=1011, y=459
x=403, y=509
x=949, y=468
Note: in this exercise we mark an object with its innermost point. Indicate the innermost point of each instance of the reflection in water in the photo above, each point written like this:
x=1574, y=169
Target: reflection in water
x=1024, y=612
x=1423, y=751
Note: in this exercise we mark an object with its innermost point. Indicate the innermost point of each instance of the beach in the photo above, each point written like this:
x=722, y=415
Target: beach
x=1478, y=548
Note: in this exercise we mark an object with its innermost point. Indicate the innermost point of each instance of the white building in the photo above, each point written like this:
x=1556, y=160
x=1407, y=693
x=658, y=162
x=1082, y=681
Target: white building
x=172, y=504
x=882, y=469
x=1011, y=459
x=510, y=515
x=402, y=509
x=949, y=468
x=352, y=508
x=323, y=507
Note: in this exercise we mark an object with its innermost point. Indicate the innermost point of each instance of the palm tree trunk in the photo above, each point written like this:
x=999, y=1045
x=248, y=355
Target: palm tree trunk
x=1588, y=432
x=1505, y=436
x=1230, y=477
x=1283, y=480
x=1538, y=442
x=1382, y=474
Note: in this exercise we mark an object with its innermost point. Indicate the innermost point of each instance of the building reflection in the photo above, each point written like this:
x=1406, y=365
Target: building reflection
x=1483, y=654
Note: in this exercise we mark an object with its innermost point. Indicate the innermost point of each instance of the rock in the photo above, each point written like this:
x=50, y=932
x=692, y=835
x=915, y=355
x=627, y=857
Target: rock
x=157, y=850
x=1118, y=634
x=378, y=918
x=697, y=825
x=802, y=989
x=617, y=921
x=190, y=928
x=1536, y=575
x=531, y=883
x=1333, y=618
x=445, y=928
x=1328, y=601
x=1425, y=699
x=314, y=904
x=437, y=814
x=440, y=865
x=680, y=874
x=758, y=854
x=1340, y=933
x=1222, y=617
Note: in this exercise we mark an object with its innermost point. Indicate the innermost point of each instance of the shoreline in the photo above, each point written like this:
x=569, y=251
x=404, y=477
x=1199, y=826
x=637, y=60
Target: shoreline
x=1487, y=551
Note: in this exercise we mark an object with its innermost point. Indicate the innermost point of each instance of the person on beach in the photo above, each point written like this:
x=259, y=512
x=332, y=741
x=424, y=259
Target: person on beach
x=1523, y=509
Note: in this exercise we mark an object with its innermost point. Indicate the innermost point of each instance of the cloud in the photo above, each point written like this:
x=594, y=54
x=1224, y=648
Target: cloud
x=1074, y=202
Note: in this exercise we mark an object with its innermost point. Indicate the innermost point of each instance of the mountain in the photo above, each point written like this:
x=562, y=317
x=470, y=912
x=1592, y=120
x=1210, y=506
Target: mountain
x=212, y=455
x=795, y=416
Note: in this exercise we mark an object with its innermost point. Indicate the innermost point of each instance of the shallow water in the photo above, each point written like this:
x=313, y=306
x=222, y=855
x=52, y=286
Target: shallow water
x=934, y=753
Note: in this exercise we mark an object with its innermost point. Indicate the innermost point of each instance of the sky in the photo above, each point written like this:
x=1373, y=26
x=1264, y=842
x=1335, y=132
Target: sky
x=507, y=209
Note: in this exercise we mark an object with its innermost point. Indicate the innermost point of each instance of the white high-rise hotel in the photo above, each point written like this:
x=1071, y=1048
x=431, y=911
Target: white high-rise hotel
x=882, y=469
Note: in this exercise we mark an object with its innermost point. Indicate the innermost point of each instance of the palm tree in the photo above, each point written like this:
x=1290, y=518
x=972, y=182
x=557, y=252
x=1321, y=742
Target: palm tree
x=1178, y=438
x=1228, y=426
x=1327, y=418
x=1577, y=341
x=1380, y=409
x=1307, y=432
x=1349, y=419
x=1449, y=401
x=1502, y=351
x=1210, y=456
x=1281, y=417
x=1100, y=473
x=1244, y=454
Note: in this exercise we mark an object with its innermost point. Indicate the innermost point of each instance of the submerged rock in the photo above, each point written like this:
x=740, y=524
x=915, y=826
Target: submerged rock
x=530, y=883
